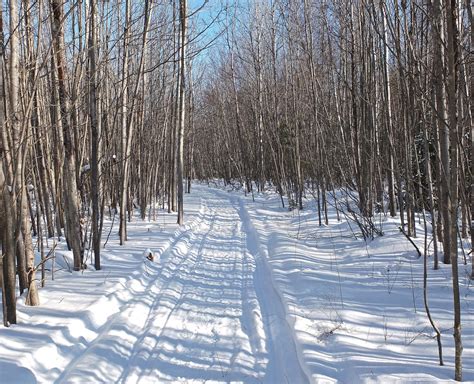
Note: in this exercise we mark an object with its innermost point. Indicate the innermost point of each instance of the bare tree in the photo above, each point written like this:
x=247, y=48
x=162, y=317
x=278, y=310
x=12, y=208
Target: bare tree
x=95, y=121
x=453, y=191
x=181, y=109
x=71, y=205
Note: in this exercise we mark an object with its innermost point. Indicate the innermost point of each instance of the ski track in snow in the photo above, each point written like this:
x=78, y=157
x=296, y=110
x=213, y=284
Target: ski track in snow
x=245, y=292
x=210, y=313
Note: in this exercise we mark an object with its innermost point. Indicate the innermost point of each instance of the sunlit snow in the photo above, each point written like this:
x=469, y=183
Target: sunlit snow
x=246, y=292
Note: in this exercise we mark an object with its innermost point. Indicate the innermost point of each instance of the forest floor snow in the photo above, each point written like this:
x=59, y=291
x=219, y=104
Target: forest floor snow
x=246, y=292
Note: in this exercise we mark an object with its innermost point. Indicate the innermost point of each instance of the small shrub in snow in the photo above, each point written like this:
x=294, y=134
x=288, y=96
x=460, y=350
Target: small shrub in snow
x=149, y=254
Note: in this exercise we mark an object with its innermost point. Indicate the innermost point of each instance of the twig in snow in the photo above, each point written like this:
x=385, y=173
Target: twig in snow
x=111, y=227
x=410, y=240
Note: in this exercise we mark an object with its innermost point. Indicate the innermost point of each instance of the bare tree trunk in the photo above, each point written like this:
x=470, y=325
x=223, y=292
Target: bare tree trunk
x=445, y=176
x=73, y=226
x=7, y=203
x=388, y=117
x=23, y=241
x=181, y=109
x=32, y=297
x=124, y=101
x=128, y=118
x=8, y=254
x=429, y=181
x=471, y=135
x=95, y=122
x=427, y=308
x=173, y=194
x=190, y=170
x=238, y=118
x=452, y=230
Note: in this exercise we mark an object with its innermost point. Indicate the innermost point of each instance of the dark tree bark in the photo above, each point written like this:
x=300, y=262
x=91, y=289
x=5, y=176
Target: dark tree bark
x=70, y=192
x=452, y=230
x=95, y=122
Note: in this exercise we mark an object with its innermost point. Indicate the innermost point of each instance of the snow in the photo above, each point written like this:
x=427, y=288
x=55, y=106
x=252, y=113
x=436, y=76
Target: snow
x=245, y=292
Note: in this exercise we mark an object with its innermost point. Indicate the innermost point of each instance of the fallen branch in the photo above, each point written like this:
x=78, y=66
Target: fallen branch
x=410, y=240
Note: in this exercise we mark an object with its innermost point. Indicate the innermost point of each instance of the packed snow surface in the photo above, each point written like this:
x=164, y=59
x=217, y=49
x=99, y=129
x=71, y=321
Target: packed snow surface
x=246, y=292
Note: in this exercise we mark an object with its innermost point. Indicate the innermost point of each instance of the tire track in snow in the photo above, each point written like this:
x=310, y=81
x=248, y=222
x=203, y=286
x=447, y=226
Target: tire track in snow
x=208, y=352
x=99, y=348
x=252, y=323
x=160, y=315
x=286, y=363
x=144, y=342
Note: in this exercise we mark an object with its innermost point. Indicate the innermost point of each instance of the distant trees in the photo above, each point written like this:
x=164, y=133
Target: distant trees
x=372, y=97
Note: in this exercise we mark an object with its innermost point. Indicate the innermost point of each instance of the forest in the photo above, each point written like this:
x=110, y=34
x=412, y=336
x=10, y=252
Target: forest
x=114, y=113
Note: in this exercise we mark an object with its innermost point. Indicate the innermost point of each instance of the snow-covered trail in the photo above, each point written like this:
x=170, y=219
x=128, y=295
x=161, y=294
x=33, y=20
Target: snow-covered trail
x=246, y=291
x=209, y=312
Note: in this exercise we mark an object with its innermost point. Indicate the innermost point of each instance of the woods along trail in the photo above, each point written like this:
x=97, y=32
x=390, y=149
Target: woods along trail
x=209, y=312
